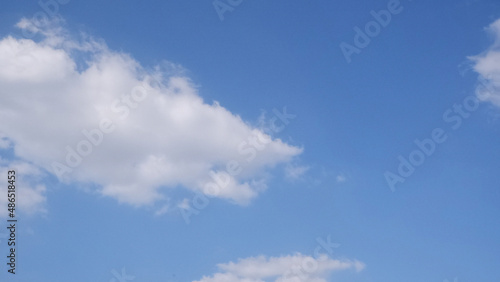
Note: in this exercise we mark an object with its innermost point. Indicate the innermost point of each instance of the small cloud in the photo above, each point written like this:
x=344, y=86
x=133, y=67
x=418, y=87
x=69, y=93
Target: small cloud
x=295, y=172
x=487, y=65
x=30, y=195
x=163, y=210
x=281, y=269
x=341, y=178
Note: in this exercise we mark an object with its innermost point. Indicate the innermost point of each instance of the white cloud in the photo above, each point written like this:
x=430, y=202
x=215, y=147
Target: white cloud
x=30, y=196
x=92, y=115
x=487, y=65
x=291, y=268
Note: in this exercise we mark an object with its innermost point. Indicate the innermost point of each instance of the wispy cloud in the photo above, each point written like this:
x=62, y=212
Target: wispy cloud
x=341, y=178
x=487, y=65
x=30, y=194
x=295, y=172
x=280, y=269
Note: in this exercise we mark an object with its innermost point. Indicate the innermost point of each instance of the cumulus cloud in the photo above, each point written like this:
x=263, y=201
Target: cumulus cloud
x=487, y=65
x=88, y=114
x=291, y=268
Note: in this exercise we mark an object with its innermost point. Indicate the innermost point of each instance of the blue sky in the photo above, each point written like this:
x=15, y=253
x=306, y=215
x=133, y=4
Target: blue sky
x=245, y=145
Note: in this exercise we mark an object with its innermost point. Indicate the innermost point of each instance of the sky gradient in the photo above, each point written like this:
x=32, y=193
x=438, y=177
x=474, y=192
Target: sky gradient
x=251, y=141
